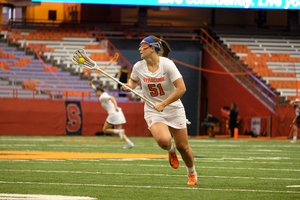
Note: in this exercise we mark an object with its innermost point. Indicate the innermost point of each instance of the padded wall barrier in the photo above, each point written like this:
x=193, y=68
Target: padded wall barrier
x=284, y=118
x=32, y=117
x=47, y=117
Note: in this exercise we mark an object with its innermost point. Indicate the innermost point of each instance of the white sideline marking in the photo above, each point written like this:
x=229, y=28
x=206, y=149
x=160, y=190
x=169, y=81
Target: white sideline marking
x=293, y=186
x=166, y=165
x=131, y=174
x=268, y=150
x=201, y=141
x=41, y=197
x=30, y=139
x=266, y=169
x=24, y=145
x=217, y=145
x=152, y=187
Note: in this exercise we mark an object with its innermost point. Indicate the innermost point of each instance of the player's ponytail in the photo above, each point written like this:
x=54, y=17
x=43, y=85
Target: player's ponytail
x=100, y=87
x=165, y=48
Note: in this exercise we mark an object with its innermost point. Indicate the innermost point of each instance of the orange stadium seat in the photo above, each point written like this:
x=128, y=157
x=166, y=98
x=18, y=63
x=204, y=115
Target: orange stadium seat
x=4, y=65
x=29, y=85
x=76, y=93
x=50, y=69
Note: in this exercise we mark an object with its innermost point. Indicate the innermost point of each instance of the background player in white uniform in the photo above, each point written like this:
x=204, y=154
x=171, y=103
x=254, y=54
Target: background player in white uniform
x=296, y=124
x=116, y=118
x=163, y=84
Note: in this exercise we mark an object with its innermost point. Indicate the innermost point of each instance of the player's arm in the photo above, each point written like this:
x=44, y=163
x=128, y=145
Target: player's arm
x=292, y=102
x=131, y=83
x=114, y=102
x=92, y=85
x=177, y=94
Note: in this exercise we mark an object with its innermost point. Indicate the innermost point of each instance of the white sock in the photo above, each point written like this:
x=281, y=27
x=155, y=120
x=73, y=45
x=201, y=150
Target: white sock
x=127, y=141
x=116, y=131
x=295, y=138
x=172, y=149
x=191, y=170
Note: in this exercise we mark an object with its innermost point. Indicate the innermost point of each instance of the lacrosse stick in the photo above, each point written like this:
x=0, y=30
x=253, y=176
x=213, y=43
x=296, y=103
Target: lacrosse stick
x=115, y=58
x=90, y=64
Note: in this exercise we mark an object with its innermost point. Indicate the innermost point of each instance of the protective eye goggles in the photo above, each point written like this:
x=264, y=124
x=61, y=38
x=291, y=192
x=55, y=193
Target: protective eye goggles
x=156, y=45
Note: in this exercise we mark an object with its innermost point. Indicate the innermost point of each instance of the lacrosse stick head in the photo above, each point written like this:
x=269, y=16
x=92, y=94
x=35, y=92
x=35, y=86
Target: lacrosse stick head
x=80, y=54
x=115, y=58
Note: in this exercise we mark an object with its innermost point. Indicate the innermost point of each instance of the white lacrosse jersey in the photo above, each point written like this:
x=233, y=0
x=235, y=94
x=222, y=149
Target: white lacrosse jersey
x=114, y=117
x=106, y=103
x=158, y=86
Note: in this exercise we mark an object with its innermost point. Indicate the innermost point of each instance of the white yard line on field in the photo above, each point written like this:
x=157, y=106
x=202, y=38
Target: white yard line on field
x=293, y=186
x=152, y=187
x=96, y=162
x=134, y=174
x=41, y=197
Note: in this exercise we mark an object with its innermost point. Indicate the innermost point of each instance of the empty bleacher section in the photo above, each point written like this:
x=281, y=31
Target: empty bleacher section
x=24, y=75
x=275, y=59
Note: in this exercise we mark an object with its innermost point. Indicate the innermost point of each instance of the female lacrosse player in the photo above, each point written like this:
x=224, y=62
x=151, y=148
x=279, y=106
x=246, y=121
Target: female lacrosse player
x=163, y=84
x=296, y=122
x=116, y=118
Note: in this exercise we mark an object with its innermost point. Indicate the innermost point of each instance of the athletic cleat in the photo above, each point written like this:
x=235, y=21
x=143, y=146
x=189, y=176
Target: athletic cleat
x=121, y=134
x=128, y=146
x=173, y=160
x=192, y=179
x=293, y=141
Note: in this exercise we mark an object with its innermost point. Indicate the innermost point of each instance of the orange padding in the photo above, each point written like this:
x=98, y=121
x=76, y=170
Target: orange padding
x=46, y=117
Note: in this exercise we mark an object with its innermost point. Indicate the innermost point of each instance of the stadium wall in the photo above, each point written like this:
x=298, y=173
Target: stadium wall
x=284, y=117
x=47, y=117
x=222, y=90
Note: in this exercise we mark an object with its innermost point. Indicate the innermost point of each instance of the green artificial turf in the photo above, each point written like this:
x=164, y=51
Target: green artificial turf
x=227, y=169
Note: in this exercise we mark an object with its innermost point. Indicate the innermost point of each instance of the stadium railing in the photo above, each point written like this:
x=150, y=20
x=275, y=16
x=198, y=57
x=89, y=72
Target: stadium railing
x=252, y=83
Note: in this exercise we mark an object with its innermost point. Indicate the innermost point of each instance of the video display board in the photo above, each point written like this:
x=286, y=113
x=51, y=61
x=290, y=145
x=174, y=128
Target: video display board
x=247, y=4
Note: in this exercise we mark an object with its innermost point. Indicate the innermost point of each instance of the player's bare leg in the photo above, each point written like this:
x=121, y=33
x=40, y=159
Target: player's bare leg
x=295, y=134
x=108, y=128
x=182, y=145
x=161, y=134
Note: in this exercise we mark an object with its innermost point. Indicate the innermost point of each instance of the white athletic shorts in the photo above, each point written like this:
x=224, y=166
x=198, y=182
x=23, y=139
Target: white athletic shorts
x=116, y=118
x=178, y=122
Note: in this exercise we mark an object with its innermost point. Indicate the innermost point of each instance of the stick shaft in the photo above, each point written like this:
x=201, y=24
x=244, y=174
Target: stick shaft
x=131, y=90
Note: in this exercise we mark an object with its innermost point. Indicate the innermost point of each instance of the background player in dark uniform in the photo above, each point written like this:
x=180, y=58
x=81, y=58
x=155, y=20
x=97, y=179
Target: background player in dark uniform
x=123, y=75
